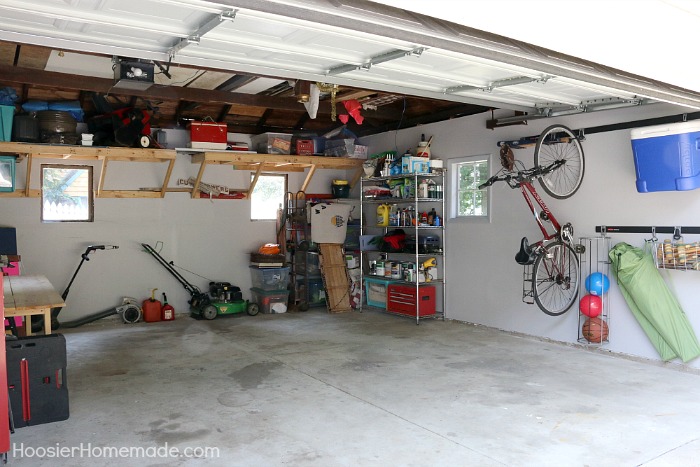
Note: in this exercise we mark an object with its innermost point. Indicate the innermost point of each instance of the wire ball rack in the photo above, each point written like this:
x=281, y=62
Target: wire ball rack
x=594, y=296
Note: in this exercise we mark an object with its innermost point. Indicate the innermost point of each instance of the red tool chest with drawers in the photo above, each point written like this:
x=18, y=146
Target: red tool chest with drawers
x=402, y=299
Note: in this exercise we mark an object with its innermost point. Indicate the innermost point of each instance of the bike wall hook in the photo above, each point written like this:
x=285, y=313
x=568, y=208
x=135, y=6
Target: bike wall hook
x=677, y=233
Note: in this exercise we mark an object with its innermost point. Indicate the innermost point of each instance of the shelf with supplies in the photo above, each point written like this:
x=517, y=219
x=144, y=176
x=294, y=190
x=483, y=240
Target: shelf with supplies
x=402, y=236
x=67, y=154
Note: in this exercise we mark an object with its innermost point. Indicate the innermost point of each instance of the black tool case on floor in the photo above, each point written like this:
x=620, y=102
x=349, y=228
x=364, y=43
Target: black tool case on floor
x=36, y=379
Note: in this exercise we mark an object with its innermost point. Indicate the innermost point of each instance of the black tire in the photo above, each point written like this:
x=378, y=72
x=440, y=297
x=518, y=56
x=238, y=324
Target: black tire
x=209, y=312
x=558, y=143
x=555, y=278
x=253, y=309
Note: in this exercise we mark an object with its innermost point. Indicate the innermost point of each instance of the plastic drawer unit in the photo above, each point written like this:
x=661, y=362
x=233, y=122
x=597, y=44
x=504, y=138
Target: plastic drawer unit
x=402, y=299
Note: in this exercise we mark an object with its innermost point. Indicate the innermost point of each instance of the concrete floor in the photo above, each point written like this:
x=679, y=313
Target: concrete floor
x=357, y=389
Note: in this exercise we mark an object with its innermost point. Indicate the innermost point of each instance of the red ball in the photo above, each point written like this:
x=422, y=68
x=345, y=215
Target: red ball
x=591, y=305
x=595, y=330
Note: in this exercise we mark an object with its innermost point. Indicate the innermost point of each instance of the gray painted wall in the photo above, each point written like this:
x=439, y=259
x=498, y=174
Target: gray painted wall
x=212, y=238
x=483, y=281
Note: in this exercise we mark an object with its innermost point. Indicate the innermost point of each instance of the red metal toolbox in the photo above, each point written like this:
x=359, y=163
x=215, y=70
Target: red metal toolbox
x=402, y=299
x=208, y=135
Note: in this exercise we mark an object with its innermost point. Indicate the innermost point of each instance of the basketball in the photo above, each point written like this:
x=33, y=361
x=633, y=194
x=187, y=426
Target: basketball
x=591, y=305
x=595, y=330
x=597, y=283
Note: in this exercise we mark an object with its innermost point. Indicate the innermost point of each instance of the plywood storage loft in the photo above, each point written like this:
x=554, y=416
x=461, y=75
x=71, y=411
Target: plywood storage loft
x=258, y=163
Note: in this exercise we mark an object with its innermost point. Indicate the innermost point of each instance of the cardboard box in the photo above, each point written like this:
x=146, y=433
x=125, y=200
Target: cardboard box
x=412, y=164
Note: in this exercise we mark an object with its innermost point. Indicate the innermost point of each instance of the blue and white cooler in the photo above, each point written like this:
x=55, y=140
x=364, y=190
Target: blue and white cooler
x=667, y=157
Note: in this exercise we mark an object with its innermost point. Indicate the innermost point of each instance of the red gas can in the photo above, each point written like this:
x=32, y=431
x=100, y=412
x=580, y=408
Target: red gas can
x=151, y=308
x=167, y=313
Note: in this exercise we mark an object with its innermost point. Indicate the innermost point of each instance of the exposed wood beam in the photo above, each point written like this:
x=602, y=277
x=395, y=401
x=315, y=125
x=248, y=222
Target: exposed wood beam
x=33, y=57
x=224, y=112
x=263, y=118
x=235, y=82
x=446, y=114
x=301, y=122
x=55, y=80
x=355, y=94
x=21, y=75
x=7, y=53
x=182, y=106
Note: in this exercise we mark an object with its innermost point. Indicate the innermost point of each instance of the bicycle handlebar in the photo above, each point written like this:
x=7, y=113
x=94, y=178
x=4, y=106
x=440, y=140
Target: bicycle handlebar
x=522, y=175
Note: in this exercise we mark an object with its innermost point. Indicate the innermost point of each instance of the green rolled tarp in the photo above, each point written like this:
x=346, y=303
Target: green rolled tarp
x=653, y=304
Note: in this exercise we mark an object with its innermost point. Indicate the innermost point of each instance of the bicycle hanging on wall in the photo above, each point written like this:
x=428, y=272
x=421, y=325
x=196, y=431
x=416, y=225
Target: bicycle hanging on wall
x=551, y=265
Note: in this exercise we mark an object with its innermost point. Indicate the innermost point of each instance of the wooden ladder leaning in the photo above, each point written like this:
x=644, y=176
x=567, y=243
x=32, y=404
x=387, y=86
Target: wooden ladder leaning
x=335, y=277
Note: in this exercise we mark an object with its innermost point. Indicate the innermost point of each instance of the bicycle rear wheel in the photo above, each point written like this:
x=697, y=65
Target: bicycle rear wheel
x=555, y=278
x=556, y=143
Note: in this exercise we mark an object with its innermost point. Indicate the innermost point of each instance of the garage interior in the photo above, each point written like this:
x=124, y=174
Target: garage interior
x=496, y=382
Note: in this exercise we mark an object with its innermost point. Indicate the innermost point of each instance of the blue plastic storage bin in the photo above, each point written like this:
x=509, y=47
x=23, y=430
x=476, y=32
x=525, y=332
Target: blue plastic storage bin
x=667, y=157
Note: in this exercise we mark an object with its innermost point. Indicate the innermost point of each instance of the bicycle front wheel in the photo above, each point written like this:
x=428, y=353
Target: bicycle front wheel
x=555, y=278
x=558, y=143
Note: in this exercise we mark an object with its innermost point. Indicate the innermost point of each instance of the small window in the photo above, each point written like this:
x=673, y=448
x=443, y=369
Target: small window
x=66, y=193
x=267, y=196
x=468, y=201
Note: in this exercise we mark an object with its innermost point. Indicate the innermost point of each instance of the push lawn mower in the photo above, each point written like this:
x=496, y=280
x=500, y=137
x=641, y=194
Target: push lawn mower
x=222, y=299
x=129, y=310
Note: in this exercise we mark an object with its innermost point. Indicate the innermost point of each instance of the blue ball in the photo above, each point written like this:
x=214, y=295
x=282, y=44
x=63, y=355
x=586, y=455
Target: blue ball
x=597, y=283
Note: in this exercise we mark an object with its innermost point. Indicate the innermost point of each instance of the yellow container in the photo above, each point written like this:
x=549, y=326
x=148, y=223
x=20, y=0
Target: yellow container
x=383, y=215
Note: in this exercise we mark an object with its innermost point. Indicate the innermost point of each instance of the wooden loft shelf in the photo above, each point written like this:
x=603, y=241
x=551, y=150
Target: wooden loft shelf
x=271, y=163
x=49, y=151
x=238, y=160
x=83, y=153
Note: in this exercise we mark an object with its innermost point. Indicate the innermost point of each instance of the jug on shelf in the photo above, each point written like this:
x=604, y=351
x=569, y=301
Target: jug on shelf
x=383, y=215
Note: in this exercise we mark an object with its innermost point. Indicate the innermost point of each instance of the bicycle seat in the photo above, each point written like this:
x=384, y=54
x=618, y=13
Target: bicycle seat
x=526, y=254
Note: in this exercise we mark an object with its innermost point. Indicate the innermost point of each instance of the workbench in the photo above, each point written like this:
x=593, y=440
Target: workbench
x=30, y=295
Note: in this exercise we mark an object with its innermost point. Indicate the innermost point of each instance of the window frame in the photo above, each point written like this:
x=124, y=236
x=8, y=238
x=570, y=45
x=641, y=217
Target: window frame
x=454, y=164
x=90, y=193
x=268, y=174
